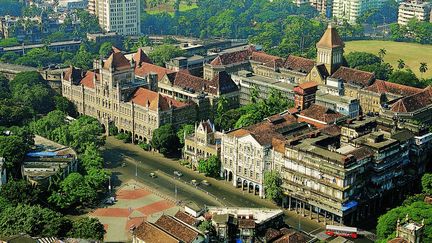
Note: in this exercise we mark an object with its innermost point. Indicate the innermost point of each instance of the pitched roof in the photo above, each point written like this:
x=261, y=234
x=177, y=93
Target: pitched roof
x=322, y=69
x=299, y=64
x=220, y=83
x=414, y=102
x=233, y=57
x=140, y=57
x=291, y=237
x=266, y=59
x=155, y=101
x=321, y=113
x=380, y=86
x=87, y=81
x=186, y=218
x=117, y=61
x=246, y=223
x=308, y=85
x=354, y=76
x=73, y=74
x=148, y=232
x=115, y=49
x=330, y=39
x=177, y=229
x=145, y=69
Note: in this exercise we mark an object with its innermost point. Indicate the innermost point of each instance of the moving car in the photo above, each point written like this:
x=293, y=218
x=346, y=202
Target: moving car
x=153, y=175
x=178, y=173
x=205, y=183
x=194, y=182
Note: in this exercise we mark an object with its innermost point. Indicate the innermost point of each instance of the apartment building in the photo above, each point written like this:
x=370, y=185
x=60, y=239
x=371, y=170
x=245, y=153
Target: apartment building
x=120, y=16
x=113, y=95
x=350, y=10
x=323, y=6
x=410, y=9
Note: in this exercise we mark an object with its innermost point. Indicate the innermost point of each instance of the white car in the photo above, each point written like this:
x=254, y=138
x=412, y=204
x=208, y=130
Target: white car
x=178, y=173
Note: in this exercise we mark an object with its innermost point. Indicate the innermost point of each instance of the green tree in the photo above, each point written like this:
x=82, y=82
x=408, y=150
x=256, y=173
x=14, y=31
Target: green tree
x=64, y=105
x=401, y=64
x=427, y=183
x=381, y=70
x=272, y=185
x=47, y=124
x=9, y=57
x=185, y=130
x=254, y=93
x=13, y=148
x=84, y=131
x=87, y=228
x=106, y=49
x=83, y=58
x=423, y=68
x=19, y=192
x=14, y=113
x=356, y=59
x=33, y=220
x=73, y=191
x=206, y=225
x=92, y=158
x=405, y=77
x=210, y=166
x=163, y=53
x=165, y=139
x=125, y=137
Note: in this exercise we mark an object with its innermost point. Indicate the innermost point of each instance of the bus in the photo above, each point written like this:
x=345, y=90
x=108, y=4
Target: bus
x=335, y=230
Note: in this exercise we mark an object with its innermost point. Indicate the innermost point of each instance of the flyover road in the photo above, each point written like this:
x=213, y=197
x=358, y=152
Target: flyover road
x=139, y=164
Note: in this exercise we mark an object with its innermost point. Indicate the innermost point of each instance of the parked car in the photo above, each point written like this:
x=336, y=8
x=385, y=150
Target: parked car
x=153, y=175
x=178, y=173
x=205, y=183
x=195, y=182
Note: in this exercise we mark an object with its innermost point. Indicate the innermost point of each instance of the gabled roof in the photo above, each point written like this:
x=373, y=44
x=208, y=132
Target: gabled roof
x=177, y=229
x=299, y=64
x=321, y=113
x=140, y=57
x=414, y=102
x=117, y=61
x=145, y=69
x=148, y=232
x=266, y=59
x=155, y=101
x=380, y=86
x=233, y=57
x=185, y=218
x=87, y=81
x=220, y=83
x=73, y=74
x=354, y=76
x=115, y=49
x=330, y=39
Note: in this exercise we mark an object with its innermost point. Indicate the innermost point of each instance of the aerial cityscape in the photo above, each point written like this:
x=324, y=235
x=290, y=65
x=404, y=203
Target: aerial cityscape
x=189, y=121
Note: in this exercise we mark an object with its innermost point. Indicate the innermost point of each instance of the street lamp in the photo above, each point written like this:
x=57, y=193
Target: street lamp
x=136, y=168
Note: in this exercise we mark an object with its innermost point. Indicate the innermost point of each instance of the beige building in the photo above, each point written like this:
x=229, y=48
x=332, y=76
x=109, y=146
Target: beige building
x=121, y=16
x=113, y=95
x=205, y=142
x=410, y=9
x=350, y=10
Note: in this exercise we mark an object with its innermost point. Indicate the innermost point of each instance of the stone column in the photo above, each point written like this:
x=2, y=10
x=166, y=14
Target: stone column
x=289, y=203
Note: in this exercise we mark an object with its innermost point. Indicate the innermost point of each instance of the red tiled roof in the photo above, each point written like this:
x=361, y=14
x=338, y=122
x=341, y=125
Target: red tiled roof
x=233, y=57
x=246, y=223
x=398, y=240
x=117, y=61
x=321, y=113
x=186, y=218
x=330, y=39
x=299, y=64
x=414, y=102
x=146, y=68
x=380, y=86
x=147, y=232
x=266, y=59
x=308, y=85
x=73, y=74
x=177, y=229
x=292, y=237
x=155, y=101
x=357, y=77
x=140, y=57
x=332, y=130
x=221, y=83
x=271, y=234
x=115, y=49
x=87, y=81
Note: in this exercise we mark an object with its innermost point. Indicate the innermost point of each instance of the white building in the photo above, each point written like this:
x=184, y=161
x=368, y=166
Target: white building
x=414, y=9
x=121, y=16
x=350, y=10
x=69, y=5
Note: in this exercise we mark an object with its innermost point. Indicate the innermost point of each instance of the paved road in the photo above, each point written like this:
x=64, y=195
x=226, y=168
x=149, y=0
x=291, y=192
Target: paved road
x=139, y=165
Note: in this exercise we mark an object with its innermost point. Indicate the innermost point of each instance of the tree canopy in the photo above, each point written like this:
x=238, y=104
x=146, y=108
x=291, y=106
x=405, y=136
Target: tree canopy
x=272, y=185
x=210, y=166
x=163, y=53
x=165, y=139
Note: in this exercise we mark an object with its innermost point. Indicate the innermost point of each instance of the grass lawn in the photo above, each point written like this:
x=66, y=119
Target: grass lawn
x=411, y=53
x=169, y=8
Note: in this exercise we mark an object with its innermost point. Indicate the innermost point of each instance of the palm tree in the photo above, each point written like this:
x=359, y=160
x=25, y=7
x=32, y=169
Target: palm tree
x=401, y=64
x=382, y=52
x=423, y=68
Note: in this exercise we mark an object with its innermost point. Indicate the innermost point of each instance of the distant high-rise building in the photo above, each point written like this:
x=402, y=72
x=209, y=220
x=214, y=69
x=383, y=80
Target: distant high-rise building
x=120, y=16
x=323, y=6
x=414, y=9
x=350, y=10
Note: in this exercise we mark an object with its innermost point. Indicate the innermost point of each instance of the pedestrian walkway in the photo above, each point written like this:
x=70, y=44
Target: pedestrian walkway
x=135, y=203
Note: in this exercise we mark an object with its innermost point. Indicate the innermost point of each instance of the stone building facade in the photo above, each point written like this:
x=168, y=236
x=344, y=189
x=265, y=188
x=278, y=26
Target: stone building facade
x=202, y=144
x=113, y=95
